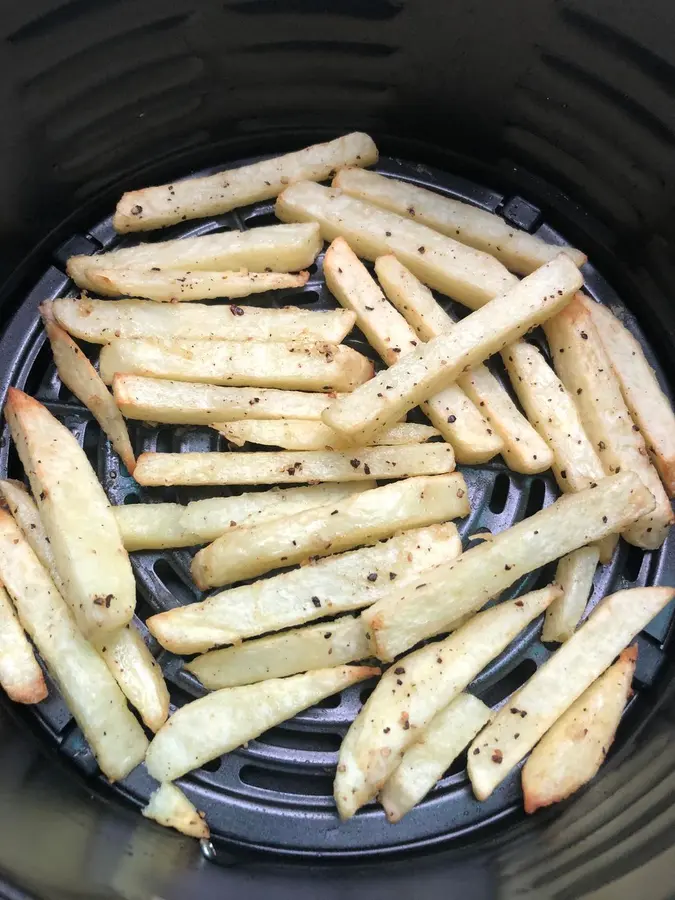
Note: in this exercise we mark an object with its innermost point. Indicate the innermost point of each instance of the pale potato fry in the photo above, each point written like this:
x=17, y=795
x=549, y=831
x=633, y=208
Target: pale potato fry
x=157, y=526
x=80, y=377
x=276, y=248
x=299, y=434
x=455, y=416
x=586, y=372
x=362, y=519
x=126, y=655
x=554, y=414
x=425, y=762
x=206, y=728
x=574, y=576
x=558, y=682
x=575, y=747
x=517, y=250
x=313, y=366
x=169, y=806
x=180, y=285
x=646, y=402
x=522, y=448
x=463, y=273
x=390, y=394
x=455, y=589
x=101, y=321
x=419, y=686
x=157, y=207
x=288, y=467
x=323, y=587
x=90, y=691
x=91, y=561
x=20, y=674
x=182, y=403
x=299, y=650
x=123, y=649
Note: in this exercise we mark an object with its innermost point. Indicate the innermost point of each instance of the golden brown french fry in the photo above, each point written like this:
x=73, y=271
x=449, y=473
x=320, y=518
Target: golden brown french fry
x=390, y=394
x=419, y=686
x=80, y=377
x=574, y=576
x=586, y=372
x=157, y=207
x=575, y=747
x=157, y=526
x=517, y=250
x=362, y=519
x=424, y=763
x=182, y=403
x=215, y=724
x=522, y=448
x=559, y=682
x=278, y=655
x=466, y=274
x=26, y=515
x=402, y=619
x=179, y=285
x=20, y=675
x=101, y=321
x=169, y=806
x=276, y=248
x=323, y=587
x=453, y=413
x=314, y=366
x=300, y=434
x=91, y=561
x=288, y=467
x=646, y=402
x=90, y=691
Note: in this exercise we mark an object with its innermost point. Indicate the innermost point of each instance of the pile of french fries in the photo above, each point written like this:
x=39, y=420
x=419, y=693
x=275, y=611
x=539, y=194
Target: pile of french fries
x=371, y=561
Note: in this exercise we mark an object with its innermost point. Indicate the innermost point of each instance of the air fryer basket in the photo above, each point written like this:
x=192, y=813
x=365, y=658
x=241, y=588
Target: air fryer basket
x=544, y=94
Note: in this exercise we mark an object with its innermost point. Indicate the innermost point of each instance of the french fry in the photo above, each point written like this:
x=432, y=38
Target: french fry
x=101, y=321
x=299, y=434
x=559, y=682
x=586, y=372
x=90, y=691
x=206, y=728
x=419, y=686
x=182, y=403
x=169, y=806
x=522, y=448
x=92, y=563
x=452, y=590
x=463, y=273
x=123, y=650
x=299, y=650
x=290, y=365
x=554, y=414
x=157, y=207
x=517, y=250
x=180, y=285
x=276, y=248
x=455, y=416
x=158, y=526
x=425, y=762
x=328, y=586
x=362, y=519
x=20, y=675
x=390, y=394
x=574, y=748
x=80, y=377
x=574, y=576
x=287, y=467
x=646, y=402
